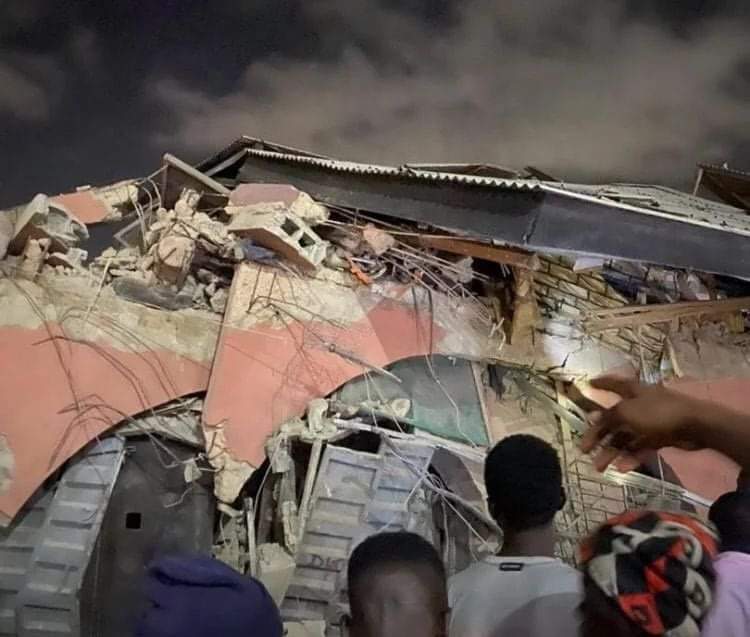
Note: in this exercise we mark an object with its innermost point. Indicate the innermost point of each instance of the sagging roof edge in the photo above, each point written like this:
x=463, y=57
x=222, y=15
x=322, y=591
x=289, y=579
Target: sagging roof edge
x=547, y=218
x=279, y=153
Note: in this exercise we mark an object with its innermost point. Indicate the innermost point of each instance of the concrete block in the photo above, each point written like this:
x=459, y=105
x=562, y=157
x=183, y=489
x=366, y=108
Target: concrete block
x=284, y=233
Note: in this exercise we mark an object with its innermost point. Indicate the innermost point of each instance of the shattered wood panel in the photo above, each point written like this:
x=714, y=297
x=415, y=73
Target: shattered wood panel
x=68, y=373
x=356, y=494
x=287, y=340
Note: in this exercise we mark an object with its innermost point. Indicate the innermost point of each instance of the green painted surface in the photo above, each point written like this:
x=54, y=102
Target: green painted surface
x=443, y=395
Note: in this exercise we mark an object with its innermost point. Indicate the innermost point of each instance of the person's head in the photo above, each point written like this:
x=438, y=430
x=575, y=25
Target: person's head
x=202, y=597
x=743, y=480
x=397, y=586
x=731, y=515
x=524, y=483
x=647, y=573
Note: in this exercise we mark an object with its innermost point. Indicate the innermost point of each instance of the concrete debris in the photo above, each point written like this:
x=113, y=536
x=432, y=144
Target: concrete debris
x=140, y=291
x=172, y=259
x=275, y=569
x=231, y=474
x=33, y=258
x=42, y=219
x=74, y=258
x=380, y=242
x=349, y=334
x=274, y=198
x=7, y=465
x=178, y=421
x=305, y=629
x=100, y=204
x=6, y=233
x=218, y=300
x=284, y=233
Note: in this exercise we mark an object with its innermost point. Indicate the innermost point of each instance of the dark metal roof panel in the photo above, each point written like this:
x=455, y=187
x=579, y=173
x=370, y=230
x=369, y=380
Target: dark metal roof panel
x=357, y=168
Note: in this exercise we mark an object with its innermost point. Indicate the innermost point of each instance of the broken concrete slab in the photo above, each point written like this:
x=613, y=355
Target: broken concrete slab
x=95, y=205
x=231, y=473
x=172, y=258
x=41, y=219
x=288, y=340
x=284, y=233
x=253, y=194
x=97, y=359
x=272, y=198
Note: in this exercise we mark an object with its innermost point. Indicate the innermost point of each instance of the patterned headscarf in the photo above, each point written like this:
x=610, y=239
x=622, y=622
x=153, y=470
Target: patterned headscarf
x=657, y=568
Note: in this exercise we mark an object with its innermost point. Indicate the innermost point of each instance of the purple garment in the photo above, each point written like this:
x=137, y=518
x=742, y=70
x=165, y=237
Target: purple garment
x=202, y=597
x=730, y=614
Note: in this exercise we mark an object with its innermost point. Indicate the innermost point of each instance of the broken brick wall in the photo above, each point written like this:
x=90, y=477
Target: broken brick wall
x=563, y=293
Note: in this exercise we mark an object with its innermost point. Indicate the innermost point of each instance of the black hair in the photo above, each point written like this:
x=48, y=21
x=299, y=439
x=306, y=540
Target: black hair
x=731, y=515
x=524, y=482
x=386, y=549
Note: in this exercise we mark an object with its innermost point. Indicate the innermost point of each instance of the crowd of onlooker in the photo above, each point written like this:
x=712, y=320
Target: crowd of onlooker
x=643, y=573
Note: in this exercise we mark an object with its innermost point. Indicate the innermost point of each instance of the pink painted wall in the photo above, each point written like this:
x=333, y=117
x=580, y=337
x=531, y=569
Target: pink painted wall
x=58, y=395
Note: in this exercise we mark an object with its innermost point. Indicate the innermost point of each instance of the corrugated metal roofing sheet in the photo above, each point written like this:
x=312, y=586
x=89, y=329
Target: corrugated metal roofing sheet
x=646, y=199
x=668, y=202
x=398, y=171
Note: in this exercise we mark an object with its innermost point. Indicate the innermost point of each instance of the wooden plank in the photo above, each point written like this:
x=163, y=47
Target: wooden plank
x=660, y=313
x=486, y=251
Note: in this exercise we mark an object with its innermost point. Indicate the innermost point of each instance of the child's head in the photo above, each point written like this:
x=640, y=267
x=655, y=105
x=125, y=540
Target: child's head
x=397, y=587
x=731, y=515
x=524, y=483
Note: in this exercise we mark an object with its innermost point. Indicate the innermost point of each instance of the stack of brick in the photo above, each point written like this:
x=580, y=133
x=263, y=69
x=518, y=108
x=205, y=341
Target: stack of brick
x=565, y=294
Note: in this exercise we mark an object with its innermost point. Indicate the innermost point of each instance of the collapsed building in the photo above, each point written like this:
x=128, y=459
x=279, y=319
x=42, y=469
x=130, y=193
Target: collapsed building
x=273, y=354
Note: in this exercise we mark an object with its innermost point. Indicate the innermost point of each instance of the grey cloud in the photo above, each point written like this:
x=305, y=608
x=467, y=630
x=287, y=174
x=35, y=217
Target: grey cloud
x=580, y=89
x=22, y=95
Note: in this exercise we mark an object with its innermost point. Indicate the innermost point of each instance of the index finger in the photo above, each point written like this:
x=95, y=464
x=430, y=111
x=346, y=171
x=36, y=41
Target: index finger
x=593, y=436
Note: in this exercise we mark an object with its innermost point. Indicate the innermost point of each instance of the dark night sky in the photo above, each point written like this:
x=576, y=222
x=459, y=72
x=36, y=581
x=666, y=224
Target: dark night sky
x=585, y=89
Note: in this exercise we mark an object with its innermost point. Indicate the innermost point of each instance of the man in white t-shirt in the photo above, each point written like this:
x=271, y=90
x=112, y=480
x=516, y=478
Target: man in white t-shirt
x=524, y=590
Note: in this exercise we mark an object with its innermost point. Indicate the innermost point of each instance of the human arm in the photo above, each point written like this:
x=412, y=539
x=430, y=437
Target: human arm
x=653, y=416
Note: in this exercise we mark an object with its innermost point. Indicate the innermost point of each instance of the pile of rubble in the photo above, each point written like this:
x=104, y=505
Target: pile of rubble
x=284, y=353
